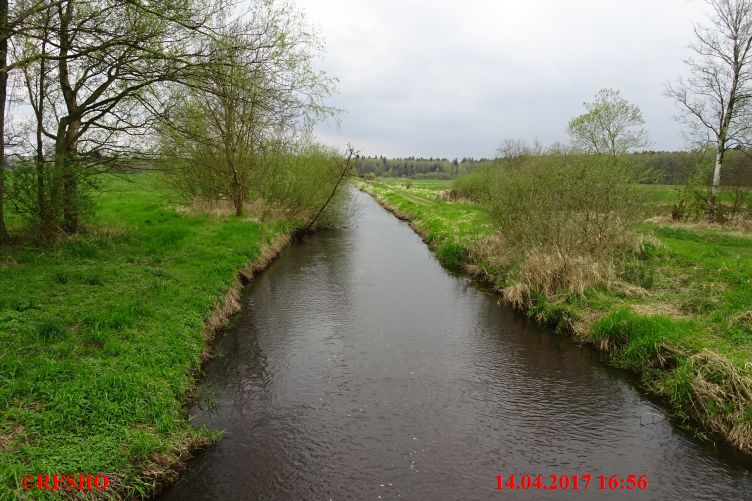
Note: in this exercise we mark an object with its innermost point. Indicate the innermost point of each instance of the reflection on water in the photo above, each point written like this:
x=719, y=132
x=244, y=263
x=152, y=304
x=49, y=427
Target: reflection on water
x=360, y=369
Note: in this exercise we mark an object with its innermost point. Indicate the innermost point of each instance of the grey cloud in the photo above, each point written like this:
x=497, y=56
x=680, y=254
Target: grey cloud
x=454, y=78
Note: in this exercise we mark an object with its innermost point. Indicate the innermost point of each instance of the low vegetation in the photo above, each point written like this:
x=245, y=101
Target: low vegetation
x=102, y=333
x=667, y=299
x=110, y=287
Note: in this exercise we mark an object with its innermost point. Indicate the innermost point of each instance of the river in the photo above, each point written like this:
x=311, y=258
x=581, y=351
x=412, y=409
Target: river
x=359, y=368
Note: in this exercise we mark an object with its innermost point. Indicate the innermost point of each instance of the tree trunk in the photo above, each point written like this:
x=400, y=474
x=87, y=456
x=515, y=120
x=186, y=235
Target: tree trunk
x=238, y=192
x=715, y=186
x=70, y=181
x=4, y=237
x=70, y=198
x=44, y=220
x=239, y=201
x=63, y=196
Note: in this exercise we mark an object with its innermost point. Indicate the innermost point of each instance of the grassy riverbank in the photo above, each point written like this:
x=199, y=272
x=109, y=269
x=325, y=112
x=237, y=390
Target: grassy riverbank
x=683, y=320
x=101, y=336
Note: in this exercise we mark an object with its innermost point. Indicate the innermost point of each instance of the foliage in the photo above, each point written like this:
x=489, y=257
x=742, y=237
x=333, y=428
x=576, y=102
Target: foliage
x=611, y=125
x=93, y=72
x=419, y=168
x=576, y=204
x=256, y=97
x=43, y=213
x=299, y=182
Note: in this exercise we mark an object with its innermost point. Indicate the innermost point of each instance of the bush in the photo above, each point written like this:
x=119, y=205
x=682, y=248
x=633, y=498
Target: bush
x=289, y=181
x=297, y=182
x=575, y=204
x=43, y=212
x=477, y=185
x=568, y=218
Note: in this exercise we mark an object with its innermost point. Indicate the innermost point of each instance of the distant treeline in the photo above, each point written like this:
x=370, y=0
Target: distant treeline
x=426, y=168
x=657, y=167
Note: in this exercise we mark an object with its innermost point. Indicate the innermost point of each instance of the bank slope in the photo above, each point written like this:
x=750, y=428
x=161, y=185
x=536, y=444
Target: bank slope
x=688, y=334
x=102, y=334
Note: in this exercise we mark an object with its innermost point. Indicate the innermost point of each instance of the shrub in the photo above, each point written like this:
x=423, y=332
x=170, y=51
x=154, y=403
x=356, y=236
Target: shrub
x=575, y=204
x=477, y=185
x=569, y=219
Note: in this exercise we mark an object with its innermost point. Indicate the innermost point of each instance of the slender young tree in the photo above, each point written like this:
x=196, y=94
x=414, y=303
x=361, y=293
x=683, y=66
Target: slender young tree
x=33, y=51
x=611, y=125
x=4, y=36
x=715, y=97
x=13, y=21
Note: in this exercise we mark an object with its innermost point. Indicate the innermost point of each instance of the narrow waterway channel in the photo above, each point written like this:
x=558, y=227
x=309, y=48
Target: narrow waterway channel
x=361, y=369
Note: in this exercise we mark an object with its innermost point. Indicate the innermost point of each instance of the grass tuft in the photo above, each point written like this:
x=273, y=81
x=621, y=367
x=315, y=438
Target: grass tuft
x=51, y=331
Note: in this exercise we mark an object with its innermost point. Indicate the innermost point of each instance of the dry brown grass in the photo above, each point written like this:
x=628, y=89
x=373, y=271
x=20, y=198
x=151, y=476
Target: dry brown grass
x=735, y=226
x=164, y=468
x=665, y=309
x=199, y=206
x=721, y=393
x=226, y=307
x=255, y=210
x=494, y=250
x=743, y=320
x=111, y=231
x=8, y=440
x=452, y=195
x=267, y=254
x=556, y=274
x=582, y=325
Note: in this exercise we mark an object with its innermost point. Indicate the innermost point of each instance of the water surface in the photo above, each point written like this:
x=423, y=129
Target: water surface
x=361, y=369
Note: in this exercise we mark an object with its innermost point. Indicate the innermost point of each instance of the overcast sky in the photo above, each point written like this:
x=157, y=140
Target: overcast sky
x=453, y=78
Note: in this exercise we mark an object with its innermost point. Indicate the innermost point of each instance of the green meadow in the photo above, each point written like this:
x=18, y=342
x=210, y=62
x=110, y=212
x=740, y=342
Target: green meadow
x=102, y=334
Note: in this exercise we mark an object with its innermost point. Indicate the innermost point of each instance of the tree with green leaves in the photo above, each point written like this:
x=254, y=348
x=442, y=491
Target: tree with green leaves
x=259, y=91
x=95, y=72
x=611, y=125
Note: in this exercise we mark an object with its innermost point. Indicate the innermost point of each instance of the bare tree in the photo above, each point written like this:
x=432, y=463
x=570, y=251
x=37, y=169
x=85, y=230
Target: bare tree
x=611, y=125
x=715, y=97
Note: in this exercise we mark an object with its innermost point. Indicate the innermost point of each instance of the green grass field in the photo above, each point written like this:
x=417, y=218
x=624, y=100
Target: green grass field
x=655, y=194
x=697, y=302
x=101, y=334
